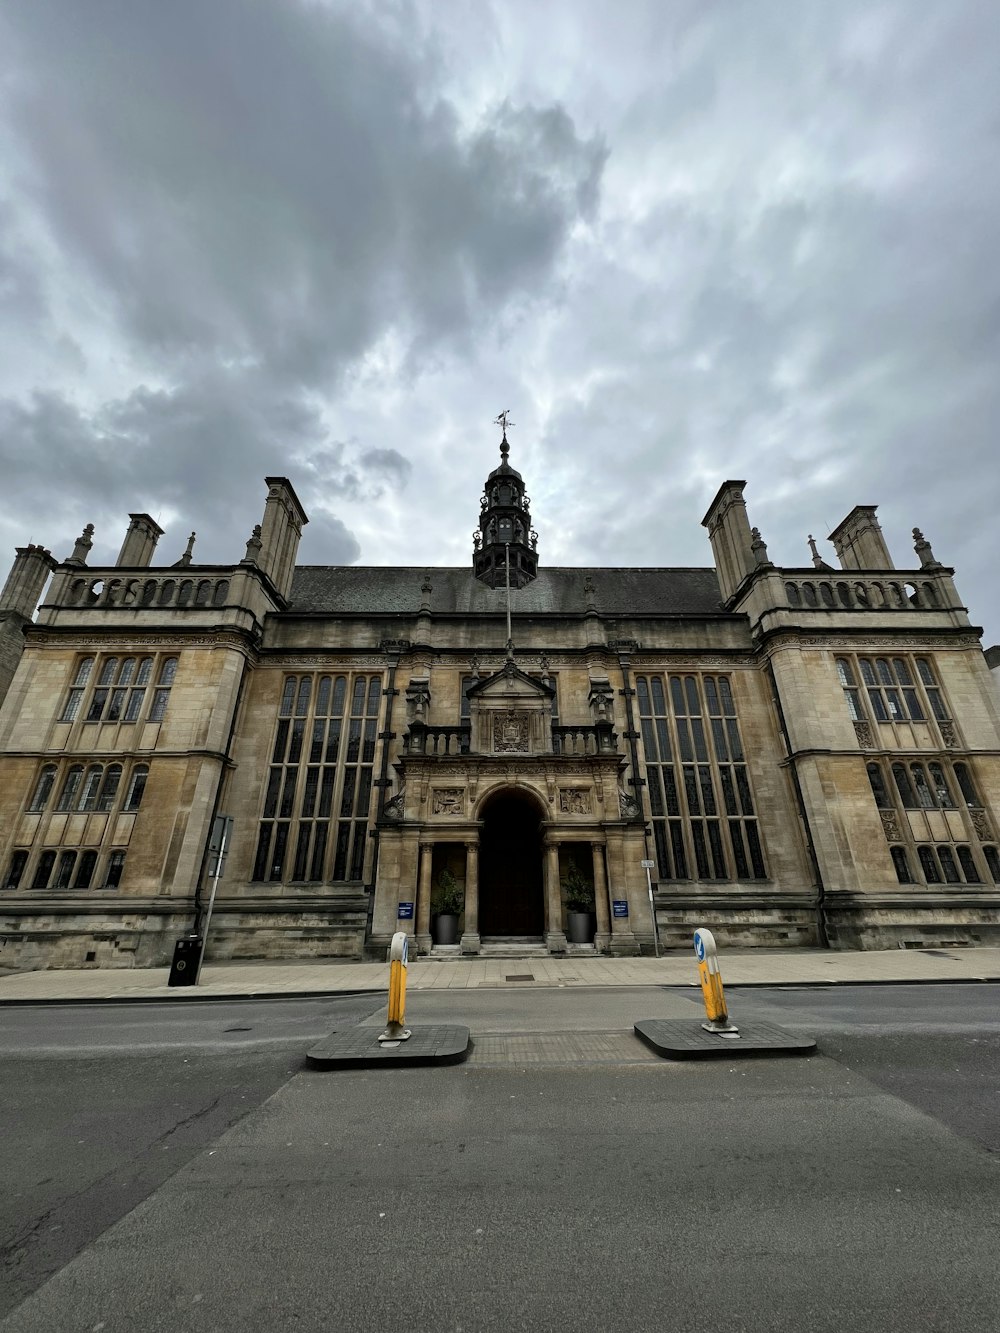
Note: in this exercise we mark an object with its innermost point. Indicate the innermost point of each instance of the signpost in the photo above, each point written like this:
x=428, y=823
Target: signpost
x=222, y=828
x=648, y=866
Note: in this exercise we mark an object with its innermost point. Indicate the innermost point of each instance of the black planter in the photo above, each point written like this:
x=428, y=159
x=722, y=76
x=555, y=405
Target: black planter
x=580, y=927
x=445, y=928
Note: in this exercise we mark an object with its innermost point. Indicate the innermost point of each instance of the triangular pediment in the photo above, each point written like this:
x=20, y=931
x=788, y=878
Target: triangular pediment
x=510, y=681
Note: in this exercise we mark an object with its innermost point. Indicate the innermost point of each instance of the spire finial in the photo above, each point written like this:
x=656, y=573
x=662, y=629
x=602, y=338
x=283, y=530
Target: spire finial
x=188, y=551
x=503, y=421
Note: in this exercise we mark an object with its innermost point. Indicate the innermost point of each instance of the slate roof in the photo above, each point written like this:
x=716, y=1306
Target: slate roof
x=374, y=589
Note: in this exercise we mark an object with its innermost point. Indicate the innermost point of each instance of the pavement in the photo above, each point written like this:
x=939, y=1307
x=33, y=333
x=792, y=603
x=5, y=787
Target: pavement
x=747, y=967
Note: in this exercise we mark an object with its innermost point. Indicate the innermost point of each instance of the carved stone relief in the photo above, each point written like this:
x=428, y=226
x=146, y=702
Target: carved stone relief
x=393, y=808
x=863, y=731
x=448, y=801
x=572, y=801
x=981, y=823
x=510, y=733
x=948, y=734
x=890, y=825
x=628, y=806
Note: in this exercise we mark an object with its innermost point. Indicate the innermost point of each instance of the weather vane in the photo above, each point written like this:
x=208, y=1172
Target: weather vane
x=503, y=421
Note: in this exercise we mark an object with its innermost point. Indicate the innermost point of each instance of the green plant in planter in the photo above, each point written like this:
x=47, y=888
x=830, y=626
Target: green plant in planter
x=579, y=892
x=449, y=896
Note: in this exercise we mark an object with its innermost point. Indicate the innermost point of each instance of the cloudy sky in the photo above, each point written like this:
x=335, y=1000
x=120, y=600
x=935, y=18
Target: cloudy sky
x=682, y=240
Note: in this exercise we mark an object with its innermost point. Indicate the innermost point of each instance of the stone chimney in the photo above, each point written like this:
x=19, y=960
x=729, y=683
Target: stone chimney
x=140, y=542
x=280, y=533
x=732, y=540
x=858, y=541
x=26, y=580
x=25, y=584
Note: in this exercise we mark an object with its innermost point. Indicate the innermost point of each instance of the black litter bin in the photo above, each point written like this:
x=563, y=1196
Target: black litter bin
x=187, y=956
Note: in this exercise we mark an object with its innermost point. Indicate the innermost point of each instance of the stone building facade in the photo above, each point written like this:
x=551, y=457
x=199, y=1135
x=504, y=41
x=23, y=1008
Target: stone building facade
x=799, y=756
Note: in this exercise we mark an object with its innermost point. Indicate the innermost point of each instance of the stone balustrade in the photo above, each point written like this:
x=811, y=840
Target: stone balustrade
x=847, y=591
x=421, y=739
x=174, y=589
x=576, y=740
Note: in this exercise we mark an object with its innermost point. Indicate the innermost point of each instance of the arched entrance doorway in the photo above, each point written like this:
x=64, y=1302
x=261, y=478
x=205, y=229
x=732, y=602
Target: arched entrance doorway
x=511, y=901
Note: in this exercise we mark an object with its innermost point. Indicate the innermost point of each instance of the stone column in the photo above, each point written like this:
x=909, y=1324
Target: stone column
x=555, y=935
x=470, y=936
x=623, y=939
x=603, y=937
x=424, y=898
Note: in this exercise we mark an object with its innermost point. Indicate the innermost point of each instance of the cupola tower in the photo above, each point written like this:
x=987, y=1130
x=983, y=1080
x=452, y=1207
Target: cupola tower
x=505, y=531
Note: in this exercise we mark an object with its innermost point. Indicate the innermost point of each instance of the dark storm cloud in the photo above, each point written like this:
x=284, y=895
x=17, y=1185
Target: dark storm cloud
x=682, y=242
x=244, y=199
x=202, y=451
x=273, y=182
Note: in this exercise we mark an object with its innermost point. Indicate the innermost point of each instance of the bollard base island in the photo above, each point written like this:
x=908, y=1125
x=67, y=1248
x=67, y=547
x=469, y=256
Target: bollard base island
x=718, y=1036
x=361, y=1047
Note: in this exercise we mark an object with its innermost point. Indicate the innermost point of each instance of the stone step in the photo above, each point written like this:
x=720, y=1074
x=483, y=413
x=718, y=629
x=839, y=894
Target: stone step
x=513, y=947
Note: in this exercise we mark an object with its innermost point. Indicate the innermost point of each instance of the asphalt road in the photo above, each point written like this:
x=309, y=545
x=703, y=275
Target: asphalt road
x=184, y=1171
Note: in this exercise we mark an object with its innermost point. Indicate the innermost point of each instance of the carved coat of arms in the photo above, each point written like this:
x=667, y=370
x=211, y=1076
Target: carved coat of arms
x=510, y=733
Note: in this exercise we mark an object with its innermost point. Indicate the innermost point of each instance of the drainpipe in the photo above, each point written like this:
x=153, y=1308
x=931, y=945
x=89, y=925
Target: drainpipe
x=803, y=815
x=387, y=736
x=637, y=782
x=226, y=762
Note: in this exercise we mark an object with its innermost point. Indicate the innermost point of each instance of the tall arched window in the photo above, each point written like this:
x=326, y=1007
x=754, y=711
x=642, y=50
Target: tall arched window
x=136, y=787
x=162, y=692
x=968, y=865
x=15, y=870
x=85, y=870
x=878, y=787
x=903, y=787
x=967, y=786
x=90, y=787
x=929, y=865
x=43, y=788
x=75, y=696
x=109, y=787
x=138, y=692
x=65, y=872
x=43, y=871
x=71, y=786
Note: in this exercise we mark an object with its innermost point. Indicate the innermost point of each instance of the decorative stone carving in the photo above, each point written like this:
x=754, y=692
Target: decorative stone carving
x=253, y=547
x=981, y=823
x=418, y=699
x=948, y=734
x=602, y=699
x=628, y=806
x=448, y=801
x=890, y=825
x=863, y=731
x=572, y=801
x=510, y=733
x=393, y=808
x=759, y=547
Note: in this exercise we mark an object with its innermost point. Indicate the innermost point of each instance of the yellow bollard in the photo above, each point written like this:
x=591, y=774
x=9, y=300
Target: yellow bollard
x=395, y=1032
x=711, y=985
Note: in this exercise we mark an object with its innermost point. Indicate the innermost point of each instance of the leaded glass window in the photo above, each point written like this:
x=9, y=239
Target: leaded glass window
x=698, y=787
x=318, y=793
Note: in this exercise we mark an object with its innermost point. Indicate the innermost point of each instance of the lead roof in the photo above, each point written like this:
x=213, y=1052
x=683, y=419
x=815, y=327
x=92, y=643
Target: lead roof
x=390, y=589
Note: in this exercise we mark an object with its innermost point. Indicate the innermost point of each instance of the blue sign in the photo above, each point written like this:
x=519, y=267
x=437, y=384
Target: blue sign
x=619, y=907
x=404, y=912
x=699, y=946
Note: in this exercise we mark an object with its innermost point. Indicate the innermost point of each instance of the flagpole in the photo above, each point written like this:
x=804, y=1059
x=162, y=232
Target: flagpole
x=510, y=641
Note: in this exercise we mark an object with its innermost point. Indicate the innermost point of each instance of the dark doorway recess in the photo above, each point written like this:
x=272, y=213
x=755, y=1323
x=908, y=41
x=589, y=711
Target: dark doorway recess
x=510, y=868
